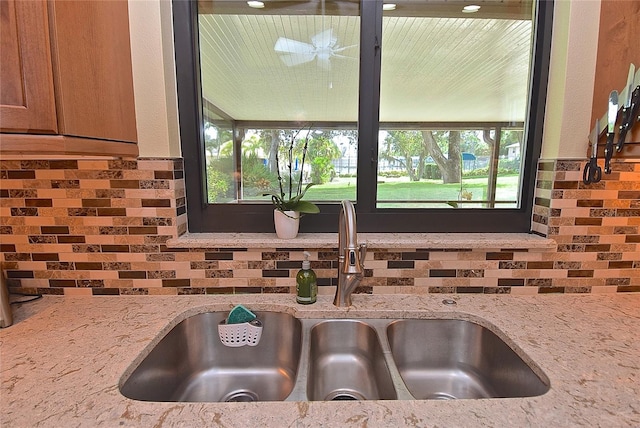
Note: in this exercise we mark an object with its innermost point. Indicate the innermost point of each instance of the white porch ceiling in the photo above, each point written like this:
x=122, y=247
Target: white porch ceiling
x=434, y=69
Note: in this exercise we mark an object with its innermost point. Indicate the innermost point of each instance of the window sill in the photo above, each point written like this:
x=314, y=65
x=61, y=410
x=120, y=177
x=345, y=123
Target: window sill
x=448, y=241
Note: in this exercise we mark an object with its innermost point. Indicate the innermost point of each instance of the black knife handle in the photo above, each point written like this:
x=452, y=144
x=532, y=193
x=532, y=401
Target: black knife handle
x=608, y=152
x=626, y=125
x=628, y=118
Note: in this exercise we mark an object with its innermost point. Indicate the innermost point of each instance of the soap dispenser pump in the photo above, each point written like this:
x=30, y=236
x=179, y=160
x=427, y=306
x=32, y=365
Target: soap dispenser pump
x=306, y=283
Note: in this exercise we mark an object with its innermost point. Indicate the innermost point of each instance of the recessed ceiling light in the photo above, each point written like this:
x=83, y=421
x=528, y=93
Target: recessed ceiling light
x=389, y=6
x=256, y=4
x=472, y=8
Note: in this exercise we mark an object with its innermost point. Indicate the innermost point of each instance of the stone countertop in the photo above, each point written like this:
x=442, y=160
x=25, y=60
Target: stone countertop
x=61, y=365
x=373, y=240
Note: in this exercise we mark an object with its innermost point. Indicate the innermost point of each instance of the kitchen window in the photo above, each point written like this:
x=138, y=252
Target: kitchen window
x=426, y=115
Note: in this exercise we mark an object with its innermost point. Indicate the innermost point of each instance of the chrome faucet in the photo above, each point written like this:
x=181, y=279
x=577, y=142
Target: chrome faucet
x=350, y=256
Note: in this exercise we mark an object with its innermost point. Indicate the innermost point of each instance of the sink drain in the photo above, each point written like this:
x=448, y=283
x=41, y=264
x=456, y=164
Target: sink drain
x=241, y=396
x=344, y=395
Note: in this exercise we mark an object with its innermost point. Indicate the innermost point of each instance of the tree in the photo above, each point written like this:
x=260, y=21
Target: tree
x=450, y=165
x=471, y=143
x=215, y=137
x=271, y=139
x=402, y=147
x=322, y=150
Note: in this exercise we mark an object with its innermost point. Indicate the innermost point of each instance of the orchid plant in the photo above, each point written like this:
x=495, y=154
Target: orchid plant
x=292, y=200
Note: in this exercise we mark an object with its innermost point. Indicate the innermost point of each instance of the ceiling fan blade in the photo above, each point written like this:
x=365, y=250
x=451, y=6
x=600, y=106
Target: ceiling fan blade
x=293, y=46
x=343, y=56
x=343, y=48
x=295, y=59
x=324, y=39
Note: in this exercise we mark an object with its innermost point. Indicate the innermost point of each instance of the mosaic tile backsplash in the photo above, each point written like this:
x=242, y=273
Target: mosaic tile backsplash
x=101, y=227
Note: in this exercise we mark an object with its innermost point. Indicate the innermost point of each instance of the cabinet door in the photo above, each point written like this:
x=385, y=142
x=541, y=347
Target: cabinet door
x=618, y=46
x=27, y=102
x=92, y=62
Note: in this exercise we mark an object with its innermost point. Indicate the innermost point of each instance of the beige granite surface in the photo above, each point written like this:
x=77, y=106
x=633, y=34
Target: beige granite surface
x=373, y=240
x=61, y=363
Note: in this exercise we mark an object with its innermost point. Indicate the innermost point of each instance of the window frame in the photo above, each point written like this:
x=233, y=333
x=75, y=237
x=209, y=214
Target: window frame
x=258, y=217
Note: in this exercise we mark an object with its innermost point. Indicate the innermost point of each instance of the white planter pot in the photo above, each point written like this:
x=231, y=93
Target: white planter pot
x=287, y=223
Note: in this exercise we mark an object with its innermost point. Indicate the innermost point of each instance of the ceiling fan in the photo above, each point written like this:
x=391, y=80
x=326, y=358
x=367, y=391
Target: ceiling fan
x=323, y=46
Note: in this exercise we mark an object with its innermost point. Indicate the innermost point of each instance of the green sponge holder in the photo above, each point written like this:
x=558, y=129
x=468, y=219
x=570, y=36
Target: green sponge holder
x=236, y=335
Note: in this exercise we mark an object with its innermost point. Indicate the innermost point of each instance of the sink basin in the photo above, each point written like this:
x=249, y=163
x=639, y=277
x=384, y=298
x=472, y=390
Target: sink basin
x=191, y=364
x=448, y=359
x=346, y=362
x=334, y=359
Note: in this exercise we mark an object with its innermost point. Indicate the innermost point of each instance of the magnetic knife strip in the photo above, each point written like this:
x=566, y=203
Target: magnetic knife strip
x=602, y=123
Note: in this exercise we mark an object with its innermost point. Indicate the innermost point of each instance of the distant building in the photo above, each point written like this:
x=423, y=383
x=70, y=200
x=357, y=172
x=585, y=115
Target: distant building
x=513, y=151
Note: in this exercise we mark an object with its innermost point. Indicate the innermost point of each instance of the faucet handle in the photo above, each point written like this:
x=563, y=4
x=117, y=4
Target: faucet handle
x=352, y=261
x=363, y=253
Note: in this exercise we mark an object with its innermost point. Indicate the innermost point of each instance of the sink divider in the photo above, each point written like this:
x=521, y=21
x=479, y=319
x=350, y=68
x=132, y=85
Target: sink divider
x=299, y=392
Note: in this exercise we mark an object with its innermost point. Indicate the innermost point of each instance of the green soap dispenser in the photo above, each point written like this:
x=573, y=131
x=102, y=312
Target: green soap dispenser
x=306, y=283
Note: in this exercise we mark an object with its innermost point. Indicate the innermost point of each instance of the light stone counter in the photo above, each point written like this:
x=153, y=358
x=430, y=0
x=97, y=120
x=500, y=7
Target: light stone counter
x=373, y=240
x=61, y=366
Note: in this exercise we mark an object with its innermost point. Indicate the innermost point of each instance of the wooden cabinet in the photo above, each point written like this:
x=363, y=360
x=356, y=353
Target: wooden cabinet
x=618, y=47
x=27, y=102
x=66, y=78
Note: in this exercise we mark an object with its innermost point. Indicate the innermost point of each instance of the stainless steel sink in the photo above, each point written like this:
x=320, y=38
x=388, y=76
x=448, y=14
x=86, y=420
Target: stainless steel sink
x=191, y=364
x=346, y=362
x=337, y=359
x=447, y=359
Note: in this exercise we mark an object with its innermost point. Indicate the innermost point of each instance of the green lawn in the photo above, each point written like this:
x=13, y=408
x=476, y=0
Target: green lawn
x=404, y=191
x=398, y=190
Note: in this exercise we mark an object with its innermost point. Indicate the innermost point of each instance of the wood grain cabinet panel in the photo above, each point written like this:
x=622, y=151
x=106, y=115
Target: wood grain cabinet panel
x=66, y=78
x=92, y=60
x=27, y=102
x=618, y=46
